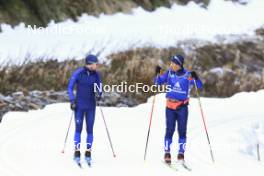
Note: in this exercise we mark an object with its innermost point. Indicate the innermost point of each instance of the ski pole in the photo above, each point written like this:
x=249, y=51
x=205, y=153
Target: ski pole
x=108, y=134
x=203, y=117
x=66, y=137
x=258, y=152
x=150, y=122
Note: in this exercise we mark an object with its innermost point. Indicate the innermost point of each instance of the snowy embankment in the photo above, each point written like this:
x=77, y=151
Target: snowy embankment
x=31, y=142
x=252, y=139
x=107, y=34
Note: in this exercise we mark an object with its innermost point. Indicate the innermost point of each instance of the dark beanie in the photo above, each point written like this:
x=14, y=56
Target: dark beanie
x=178, y=59
x=91, y=59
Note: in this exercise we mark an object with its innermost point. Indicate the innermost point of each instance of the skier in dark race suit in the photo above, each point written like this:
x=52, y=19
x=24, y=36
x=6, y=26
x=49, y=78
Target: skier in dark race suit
x=84, y=102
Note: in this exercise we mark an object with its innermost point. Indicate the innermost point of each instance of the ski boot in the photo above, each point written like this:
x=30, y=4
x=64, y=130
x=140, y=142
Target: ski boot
x=88, y=157
x=77, y=156
x=167, y=158
x=181, y=157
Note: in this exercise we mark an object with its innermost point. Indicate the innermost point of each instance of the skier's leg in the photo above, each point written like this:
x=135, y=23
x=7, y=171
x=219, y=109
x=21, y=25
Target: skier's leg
x=182, y=120
x=170, y=128
x=90, y=116
x=79, y=116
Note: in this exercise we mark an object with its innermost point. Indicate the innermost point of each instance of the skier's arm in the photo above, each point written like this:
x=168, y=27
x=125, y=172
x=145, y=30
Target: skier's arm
x=161, y=79
x=71, y=85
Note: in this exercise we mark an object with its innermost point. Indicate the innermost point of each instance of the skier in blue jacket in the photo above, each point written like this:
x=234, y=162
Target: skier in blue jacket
x=84, y=102
x=180, y=82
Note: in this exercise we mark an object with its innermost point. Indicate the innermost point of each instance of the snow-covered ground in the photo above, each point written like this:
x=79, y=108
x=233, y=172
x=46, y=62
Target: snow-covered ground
x=31, y=142
x=108, y=34
x=251, y=136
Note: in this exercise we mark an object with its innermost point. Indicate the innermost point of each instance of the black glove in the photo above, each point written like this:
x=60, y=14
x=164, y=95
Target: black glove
x=158, y=69
x=98, y=97
x=73, y=106
x=194, y=75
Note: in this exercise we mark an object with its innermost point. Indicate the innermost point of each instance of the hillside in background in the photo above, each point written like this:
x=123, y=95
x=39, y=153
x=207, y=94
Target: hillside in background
x=41, y=12
x=239, y=65
x=226, y=51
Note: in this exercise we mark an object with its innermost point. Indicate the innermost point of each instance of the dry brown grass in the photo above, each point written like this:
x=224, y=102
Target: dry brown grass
x=242, y=65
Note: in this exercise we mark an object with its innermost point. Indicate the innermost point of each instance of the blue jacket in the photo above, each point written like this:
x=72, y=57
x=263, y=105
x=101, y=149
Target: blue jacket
x=180, y=83
x=85, y=81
